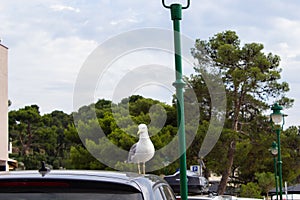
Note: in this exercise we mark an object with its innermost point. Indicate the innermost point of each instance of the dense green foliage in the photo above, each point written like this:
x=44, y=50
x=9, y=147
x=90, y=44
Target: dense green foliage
x=250, y=79
x=54, y=138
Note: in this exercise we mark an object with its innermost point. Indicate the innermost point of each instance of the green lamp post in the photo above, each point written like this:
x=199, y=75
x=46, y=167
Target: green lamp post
x=278, y=118
x=274, y=151
x=179, y=84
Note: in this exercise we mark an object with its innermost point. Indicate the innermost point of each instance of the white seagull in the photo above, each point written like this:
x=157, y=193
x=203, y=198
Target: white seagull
x=143, y=150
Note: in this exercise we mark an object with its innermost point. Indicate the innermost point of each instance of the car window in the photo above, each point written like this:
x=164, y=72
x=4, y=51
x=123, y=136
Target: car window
x=169, y=195
x=158, y=194
x=164, y=192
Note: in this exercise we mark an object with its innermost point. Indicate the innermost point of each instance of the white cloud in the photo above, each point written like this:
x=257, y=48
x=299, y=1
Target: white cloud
x=47, y=75
x=58, y=7
x=122, y=21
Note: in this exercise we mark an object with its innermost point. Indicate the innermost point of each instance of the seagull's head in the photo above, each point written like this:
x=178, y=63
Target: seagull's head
x=142, y=129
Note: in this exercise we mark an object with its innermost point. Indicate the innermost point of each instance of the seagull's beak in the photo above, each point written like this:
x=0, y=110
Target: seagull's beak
x=139, y=132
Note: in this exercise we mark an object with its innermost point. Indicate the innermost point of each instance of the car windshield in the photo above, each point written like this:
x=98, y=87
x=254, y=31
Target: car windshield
x=71, y=196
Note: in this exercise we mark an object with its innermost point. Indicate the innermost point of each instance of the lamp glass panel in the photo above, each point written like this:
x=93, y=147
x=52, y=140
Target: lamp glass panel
x=276, y=118
x=274, y=151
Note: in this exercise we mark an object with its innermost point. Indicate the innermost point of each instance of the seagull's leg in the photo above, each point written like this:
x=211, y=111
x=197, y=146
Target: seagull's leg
x=139, y=168
x=144, y=168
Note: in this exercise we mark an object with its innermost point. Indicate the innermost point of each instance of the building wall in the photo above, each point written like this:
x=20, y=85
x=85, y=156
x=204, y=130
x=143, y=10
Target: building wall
x=3, y=108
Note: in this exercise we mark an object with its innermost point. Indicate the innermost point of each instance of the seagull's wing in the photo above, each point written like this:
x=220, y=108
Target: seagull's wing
x=131, y=153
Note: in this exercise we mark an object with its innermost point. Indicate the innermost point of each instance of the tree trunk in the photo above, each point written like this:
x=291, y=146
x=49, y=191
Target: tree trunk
x=227, y=170
x=231, y=149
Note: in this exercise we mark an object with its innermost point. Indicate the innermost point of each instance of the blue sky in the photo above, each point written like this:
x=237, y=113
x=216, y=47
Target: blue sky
x=49, y=40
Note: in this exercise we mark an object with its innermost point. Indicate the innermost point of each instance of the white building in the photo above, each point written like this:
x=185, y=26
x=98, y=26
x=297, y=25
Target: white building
x=3, y=109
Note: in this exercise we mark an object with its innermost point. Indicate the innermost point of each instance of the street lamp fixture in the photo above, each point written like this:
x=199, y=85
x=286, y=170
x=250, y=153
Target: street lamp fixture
x=278, y=118
x=274, y=149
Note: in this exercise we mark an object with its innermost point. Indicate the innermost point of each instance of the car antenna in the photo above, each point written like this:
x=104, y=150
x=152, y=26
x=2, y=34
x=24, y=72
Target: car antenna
x=44, y=170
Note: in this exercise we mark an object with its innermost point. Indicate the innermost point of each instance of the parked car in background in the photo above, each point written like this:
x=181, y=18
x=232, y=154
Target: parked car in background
x=196, y=184
x=78, y=185
x=202, y=197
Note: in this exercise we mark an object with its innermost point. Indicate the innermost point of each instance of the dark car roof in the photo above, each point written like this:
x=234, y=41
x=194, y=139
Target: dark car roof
x=143, y=183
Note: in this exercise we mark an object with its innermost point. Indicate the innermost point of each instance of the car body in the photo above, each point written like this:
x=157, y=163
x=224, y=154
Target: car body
x=202, y=197
x=196, y=184
x=82, y=184
x=216, y=197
